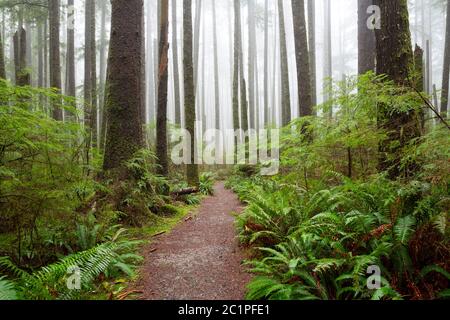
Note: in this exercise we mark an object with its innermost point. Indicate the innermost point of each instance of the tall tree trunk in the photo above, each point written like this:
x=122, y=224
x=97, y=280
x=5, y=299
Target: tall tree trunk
x=242, y=83
x=395, y=60
x=161, y=122
x=446, y=71
x=2, y=60
x=151, y=67
x=55, y=60
x=70, y=62
x=302, y=58
x=216, y=71
x=46, y=53
x=198, y=16
x=94, y=94
x=189, y=90
x=276, y=65
x=366, y=39
x=286, y=94
x=88, y=68
x=266, y=62
x=236, y=79
x=176, y=74
x=102, y=91
x=312, y=49
x=124, y=126
x=20, y=58
x=251, y=61
x=40, y=53
x=328, y=62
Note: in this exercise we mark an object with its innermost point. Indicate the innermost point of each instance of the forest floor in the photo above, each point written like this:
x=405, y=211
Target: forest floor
x=200, y=258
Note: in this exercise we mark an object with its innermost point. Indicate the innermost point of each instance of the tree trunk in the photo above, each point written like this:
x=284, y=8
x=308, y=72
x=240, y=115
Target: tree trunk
x=395, y=60
x=242, y=85
x=70, y=62
x=312, y=49
x=216, y=72
x=328, y=60
x=236, y=79
x=251, y=61
x=40, y=53
x=151, y=67
x=176, y=74
x=161, y=122
x=198, y=15
x=124, y=127
x=94, y=94
x=302, y=58
x=266, y=62
x=55, y=61
x=2, y=60
x=446, y=71
x=366, y=39
x=285, y=91
x=189, y=92
x=20, y=58
x=102, y=75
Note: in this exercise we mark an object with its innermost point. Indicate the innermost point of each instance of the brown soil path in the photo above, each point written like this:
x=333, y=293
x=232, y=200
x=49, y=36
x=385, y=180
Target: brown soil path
x=200, y=259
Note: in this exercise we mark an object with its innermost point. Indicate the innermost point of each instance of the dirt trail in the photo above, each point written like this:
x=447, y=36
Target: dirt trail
x=200, y=259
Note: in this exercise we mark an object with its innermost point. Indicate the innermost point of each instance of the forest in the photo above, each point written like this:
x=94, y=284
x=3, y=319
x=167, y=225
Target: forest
x=224, y=150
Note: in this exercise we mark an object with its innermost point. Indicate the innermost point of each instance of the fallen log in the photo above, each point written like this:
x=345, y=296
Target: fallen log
x=184, y=192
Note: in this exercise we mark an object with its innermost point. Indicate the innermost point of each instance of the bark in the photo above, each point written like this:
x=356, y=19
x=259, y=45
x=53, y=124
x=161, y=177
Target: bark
x=189, y=90
x=302, y=58
x=216, y=71
x=366, y=39
x=312, y=49
x=251, y=61
x=2, y=60
x=198, y=15
x=70, y=56
x=55, y=61
x=446, y=71
x=46, y=54
x=124, y=126
x=93, y=57
x=242, y=83
x=328, y=62
x=176, y=78
x=237, y=48
x=395, y=60
x=102, y=91
x=266, y=62
x=285, y=90
x=20, y=58
x=40, y=53
x=161, y=122
x=151, y=67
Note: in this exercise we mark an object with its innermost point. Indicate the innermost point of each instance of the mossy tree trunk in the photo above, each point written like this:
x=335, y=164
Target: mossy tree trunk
x=189, y=92
x=446, y=71
x=2, y=60
x=176, y=73
x=395, y=60
x=20, y=58
x=163, y=74
x=285, y=90
x=123, y=106
x=312, y=49
x=55, y=61
x=302, y=58
x=237, y=48
x=70, y=57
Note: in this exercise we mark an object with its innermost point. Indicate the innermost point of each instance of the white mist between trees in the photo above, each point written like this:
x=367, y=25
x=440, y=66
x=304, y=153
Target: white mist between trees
x=228, y=147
